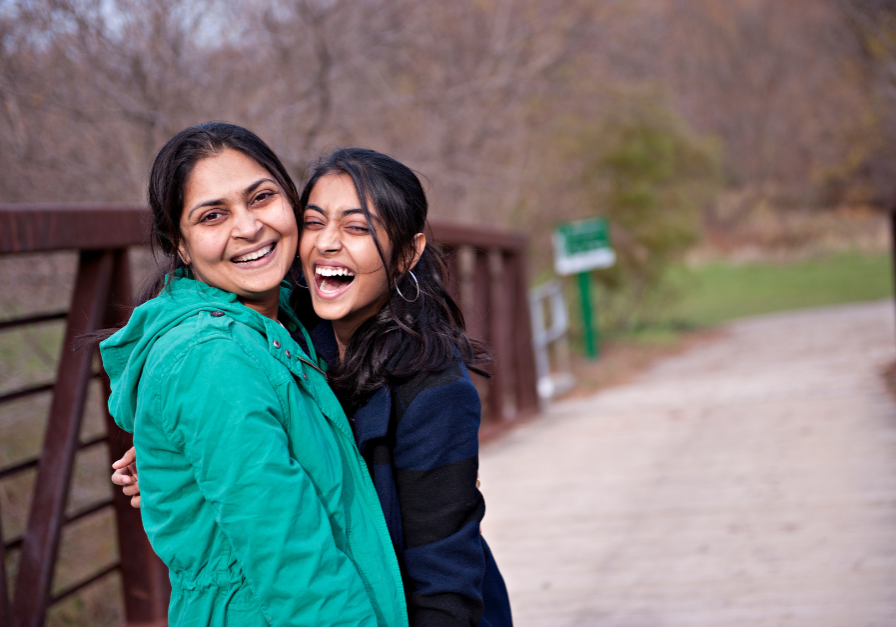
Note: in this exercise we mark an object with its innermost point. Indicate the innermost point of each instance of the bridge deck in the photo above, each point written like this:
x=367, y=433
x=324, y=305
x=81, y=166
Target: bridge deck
x=748, y=482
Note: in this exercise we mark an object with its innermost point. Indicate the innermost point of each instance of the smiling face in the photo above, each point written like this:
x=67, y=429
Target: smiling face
x=344, y=270
x=239, y=230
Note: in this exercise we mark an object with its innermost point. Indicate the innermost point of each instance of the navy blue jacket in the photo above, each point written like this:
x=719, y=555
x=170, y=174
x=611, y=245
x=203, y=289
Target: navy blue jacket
x=421, y=442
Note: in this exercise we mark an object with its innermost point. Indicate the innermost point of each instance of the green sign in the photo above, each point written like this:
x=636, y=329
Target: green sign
x=582, y=246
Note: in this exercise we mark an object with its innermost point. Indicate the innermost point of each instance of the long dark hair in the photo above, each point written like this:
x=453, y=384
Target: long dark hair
x=410, y=334
x=168, y=178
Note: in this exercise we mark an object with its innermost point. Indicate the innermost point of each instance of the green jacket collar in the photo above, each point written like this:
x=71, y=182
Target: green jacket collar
x=125, y=353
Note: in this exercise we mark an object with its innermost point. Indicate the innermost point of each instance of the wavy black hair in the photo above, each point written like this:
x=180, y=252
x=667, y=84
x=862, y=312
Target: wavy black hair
x=409, y=334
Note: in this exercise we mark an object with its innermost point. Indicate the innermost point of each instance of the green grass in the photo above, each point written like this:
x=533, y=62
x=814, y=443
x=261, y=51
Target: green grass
x=723, y=291
x=719, y=292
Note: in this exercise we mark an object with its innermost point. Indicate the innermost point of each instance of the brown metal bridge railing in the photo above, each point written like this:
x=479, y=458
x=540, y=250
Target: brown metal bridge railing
x=487, y=275
x=101, y=296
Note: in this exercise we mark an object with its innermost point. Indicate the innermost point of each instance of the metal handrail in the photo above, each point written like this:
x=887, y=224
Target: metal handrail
x=20, y=322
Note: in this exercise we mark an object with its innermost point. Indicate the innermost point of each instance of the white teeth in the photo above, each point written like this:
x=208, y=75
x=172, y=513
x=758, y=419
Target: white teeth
x=325, y=285
x=258, y=254
x=333, y=271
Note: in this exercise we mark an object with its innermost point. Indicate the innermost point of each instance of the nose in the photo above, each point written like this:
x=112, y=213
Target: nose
x=328, y=240
x=246, y=225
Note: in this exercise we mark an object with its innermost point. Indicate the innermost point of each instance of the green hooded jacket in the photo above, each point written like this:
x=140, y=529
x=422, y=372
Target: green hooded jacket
x=252, y=489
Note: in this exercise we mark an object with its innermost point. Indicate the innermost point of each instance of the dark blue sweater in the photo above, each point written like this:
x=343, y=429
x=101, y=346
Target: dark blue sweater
x=421, y=442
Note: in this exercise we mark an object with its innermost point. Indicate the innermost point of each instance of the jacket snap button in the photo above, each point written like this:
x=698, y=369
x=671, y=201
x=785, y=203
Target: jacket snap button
x=217, y=314
x=276, y=344
x=288, y=355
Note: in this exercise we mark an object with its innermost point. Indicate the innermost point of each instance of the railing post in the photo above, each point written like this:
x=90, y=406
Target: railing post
x=465, y=260
x=477, y=323
x=47, y=515
x=4, y=588
x=144, y=577
x=452, y=274
x=500, y=322
x=526, y=385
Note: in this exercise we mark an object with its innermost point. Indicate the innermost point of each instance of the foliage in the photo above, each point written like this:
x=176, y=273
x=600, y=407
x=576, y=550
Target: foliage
x=650, y=175
x=722, y=291
x=873, y=61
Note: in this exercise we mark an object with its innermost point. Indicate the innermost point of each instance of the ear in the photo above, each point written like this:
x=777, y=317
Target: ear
x=182, y=253
x=419, y=247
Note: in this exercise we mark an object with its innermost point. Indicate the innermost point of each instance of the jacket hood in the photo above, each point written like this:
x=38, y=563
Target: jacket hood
x=125, y=353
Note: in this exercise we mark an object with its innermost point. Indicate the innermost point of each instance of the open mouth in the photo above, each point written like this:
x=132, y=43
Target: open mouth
x=332, y=279
x=254, y=256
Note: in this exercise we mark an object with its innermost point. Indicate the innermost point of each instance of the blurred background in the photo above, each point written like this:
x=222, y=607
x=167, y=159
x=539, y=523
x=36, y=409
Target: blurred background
x=743, y=151
x=707, y=131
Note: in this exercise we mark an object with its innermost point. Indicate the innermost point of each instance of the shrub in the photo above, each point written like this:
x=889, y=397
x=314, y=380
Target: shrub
x=650, y=175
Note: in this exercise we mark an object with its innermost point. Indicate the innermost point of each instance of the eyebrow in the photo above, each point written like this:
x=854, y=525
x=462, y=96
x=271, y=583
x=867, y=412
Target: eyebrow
x=220, y=201
x=342, y=214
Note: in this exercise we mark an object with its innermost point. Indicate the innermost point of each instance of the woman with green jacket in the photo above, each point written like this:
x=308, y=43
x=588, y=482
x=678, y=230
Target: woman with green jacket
x=253, y=492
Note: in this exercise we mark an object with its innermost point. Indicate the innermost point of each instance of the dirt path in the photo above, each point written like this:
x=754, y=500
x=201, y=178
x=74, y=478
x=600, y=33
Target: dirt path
x=748, y=482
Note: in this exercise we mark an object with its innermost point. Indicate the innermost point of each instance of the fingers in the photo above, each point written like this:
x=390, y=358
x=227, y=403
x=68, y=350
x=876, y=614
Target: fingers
x=131, y=488
x=127, y=459
x=123, y=477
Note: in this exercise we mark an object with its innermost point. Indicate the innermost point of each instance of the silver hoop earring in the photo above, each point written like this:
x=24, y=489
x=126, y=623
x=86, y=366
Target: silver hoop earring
x=299, y=282
x=416, y=282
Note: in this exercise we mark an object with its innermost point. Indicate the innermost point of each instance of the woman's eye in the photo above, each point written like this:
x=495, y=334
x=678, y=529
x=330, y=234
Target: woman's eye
x=263, y=197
